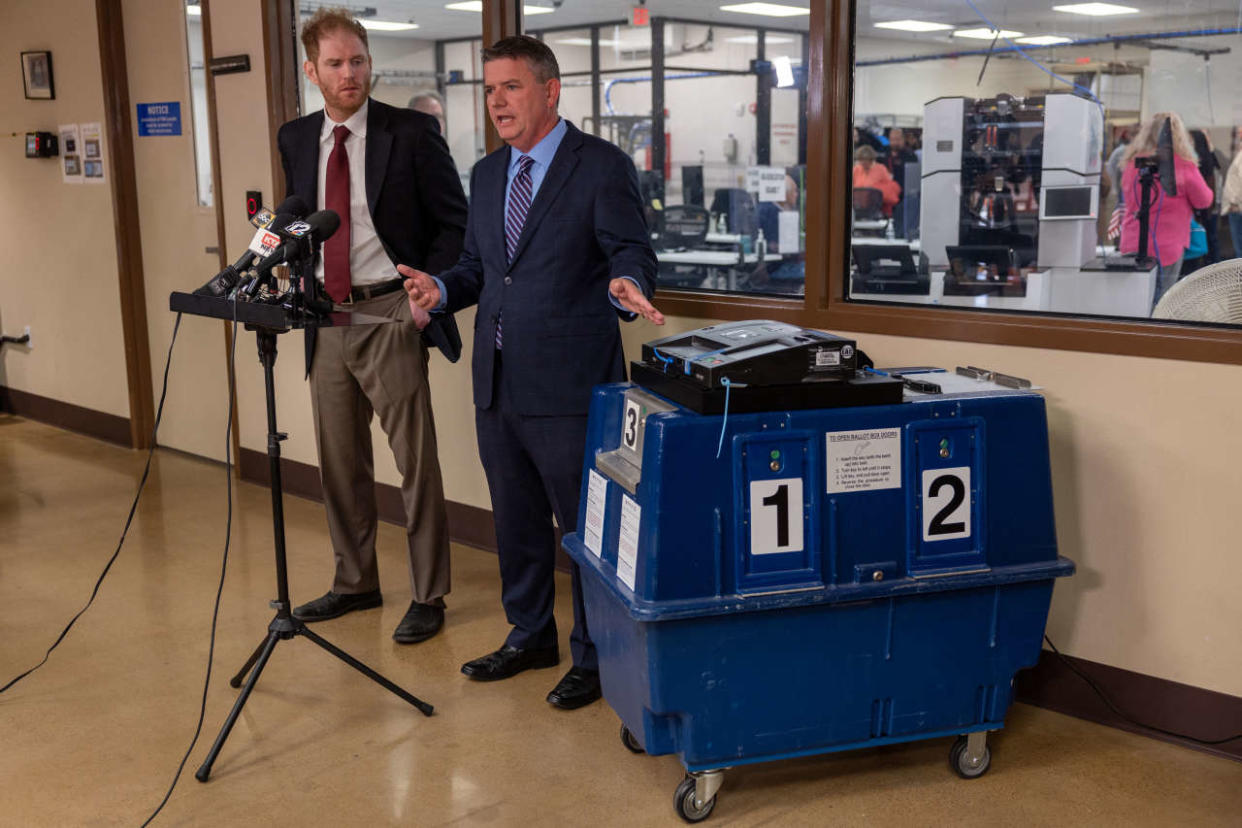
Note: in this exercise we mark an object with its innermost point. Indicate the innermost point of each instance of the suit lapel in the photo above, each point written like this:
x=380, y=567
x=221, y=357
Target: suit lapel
x=497, y=197
x=308, y=170
x=379, y=145
x=563, y=164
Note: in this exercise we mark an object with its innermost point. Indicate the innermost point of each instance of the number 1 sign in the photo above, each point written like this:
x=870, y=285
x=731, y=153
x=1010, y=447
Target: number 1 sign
x=776, y=516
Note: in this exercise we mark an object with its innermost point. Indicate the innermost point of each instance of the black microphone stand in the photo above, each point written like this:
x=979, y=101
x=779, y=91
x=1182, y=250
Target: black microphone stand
x=303, y=311
x=1147, y=177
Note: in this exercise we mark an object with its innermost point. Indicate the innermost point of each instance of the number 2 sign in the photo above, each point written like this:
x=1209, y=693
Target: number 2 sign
x=946, y=504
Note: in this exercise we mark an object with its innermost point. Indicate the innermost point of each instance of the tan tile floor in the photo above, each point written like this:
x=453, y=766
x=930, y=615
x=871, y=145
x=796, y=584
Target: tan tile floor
x=94, y=737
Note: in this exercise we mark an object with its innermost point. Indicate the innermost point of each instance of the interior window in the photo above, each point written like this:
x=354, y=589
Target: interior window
x=198, y=102
x=710, y=104
x=1067, y=158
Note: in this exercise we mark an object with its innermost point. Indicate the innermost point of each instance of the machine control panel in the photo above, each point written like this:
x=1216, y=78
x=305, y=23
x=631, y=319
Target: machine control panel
x=755, y=352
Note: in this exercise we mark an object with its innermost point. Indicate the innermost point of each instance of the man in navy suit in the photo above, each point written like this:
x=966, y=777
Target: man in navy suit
x=389, y=175
x=556, y=249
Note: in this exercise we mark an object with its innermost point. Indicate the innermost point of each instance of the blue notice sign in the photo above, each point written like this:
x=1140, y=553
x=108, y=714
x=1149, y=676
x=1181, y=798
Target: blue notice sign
x=159, y=118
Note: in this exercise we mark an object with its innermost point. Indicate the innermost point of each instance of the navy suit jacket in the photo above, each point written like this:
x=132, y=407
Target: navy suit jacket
x=585, y=227
x=413, y=191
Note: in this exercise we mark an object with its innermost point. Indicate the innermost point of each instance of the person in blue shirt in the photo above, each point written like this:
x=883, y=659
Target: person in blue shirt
x=556, y=250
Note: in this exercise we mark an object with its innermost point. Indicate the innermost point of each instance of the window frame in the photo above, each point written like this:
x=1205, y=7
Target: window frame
x=830, y=101
x=830, y=87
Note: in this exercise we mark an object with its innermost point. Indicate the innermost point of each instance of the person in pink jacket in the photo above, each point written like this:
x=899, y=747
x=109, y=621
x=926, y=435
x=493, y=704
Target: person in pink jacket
x=867, y=173
x=1169, y=223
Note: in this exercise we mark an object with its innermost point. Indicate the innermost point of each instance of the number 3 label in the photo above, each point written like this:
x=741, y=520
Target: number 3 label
x=776, y=516
x=629, y=425
x=946, y=504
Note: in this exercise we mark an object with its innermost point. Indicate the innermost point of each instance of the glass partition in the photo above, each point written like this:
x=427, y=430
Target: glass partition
x=1067, y=158
x=710, y=105
x=198, y=103
x=424, y=54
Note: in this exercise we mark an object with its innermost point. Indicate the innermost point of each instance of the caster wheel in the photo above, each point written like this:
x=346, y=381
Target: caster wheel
x=962, y=766
x=631, y=744
x=683, y=801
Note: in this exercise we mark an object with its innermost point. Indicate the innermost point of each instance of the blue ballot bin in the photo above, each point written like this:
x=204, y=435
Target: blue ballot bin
x=770, y=585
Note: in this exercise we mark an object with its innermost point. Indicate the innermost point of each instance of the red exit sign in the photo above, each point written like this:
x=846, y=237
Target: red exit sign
x=641, y=16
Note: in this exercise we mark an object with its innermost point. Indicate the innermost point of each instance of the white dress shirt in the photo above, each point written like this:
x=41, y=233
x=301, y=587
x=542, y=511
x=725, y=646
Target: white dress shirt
x=368, y=263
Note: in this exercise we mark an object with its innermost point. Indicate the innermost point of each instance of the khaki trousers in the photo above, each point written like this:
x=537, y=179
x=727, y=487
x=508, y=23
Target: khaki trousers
x=380, y=369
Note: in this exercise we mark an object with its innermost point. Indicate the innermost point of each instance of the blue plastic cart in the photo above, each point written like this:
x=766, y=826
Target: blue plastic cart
x=814, y=581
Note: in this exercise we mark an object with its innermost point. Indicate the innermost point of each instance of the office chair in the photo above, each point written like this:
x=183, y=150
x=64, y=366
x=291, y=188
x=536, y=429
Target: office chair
x=685, y=226
x=869, y=215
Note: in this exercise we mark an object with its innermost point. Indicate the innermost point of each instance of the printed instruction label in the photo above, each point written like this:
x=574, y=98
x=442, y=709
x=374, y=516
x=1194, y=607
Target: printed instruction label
x=627, y=542
x=865, y=460
x=597, y=502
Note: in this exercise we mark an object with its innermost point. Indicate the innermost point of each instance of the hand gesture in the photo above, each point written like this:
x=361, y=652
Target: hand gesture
x=627, y=292
x=422, y=291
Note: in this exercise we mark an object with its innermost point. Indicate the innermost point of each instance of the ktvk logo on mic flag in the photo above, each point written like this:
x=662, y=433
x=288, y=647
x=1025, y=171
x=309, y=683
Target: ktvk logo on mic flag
x=264, y=243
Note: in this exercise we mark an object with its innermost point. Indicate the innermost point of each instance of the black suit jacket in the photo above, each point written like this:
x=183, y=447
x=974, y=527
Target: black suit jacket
x=560, y=330
x=414, y=194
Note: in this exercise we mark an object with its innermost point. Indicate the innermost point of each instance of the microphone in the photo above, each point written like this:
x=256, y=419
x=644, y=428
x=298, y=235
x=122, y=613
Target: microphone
x=262, y=244
x=317, y=227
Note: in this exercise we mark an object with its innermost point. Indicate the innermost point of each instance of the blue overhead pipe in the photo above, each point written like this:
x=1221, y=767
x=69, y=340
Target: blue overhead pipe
x=1085, y=41
x=647, y=79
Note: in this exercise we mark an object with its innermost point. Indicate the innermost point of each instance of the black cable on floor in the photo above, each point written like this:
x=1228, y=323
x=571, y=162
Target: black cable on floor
x=224, y=566
x=1076, y=671
x=132, y=509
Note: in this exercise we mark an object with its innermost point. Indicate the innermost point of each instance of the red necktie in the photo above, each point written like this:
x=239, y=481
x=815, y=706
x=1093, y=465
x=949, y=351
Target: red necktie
x=336, y=276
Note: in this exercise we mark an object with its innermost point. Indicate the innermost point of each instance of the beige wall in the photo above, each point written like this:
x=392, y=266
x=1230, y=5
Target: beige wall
x=1145, y=455
x=58, y=270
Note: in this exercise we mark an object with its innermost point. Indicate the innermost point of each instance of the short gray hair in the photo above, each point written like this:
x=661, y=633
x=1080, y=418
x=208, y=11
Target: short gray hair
x=426, y=95
x=534, y=51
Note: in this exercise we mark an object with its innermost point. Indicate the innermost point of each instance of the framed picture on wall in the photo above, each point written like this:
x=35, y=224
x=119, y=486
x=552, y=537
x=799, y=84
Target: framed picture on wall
x=37, y=75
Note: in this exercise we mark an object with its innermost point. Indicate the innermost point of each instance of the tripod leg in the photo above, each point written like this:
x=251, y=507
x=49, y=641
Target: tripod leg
x=236, y=681
x=425, y=708
x=204, y=770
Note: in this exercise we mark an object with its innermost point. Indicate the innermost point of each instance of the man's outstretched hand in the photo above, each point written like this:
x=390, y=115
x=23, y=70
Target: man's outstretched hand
x=631, y=298
x=422, y=292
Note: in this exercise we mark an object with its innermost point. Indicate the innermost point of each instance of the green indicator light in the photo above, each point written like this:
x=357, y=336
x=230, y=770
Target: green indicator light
x=944, y=442
x=776, y=455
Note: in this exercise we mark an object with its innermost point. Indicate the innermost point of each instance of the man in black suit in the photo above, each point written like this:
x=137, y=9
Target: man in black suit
x=388, y=173
x=556, y=249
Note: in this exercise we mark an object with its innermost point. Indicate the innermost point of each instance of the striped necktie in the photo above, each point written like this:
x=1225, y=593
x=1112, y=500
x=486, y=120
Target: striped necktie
x=515, y=214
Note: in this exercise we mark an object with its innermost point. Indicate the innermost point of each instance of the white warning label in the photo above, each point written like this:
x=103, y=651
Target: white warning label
x=597, y=503
x=863, y=460
x=627, y=541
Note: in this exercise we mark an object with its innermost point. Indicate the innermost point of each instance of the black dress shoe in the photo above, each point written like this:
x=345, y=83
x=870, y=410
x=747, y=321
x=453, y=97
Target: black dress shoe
x=579, y=688
x=336, y=604
x=509, y=661
x=421, y=622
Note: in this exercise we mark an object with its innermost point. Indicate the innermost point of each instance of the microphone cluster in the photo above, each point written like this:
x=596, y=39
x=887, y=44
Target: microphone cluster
x=282, y=237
